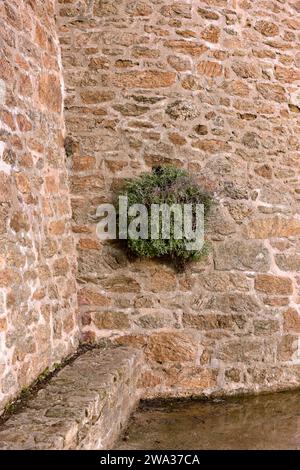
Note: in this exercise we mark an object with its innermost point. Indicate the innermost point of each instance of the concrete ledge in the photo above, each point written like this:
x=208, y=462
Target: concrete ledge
x=83, y=407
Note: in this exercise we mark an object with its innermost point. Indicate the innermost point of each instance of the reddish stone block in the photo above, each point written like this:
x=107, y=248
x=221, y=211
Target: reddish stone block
x=270, y=284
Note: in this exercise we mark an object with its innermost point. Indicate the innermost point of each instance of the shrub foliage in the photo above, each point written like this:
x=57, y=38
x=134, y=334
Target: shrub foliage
x=165, y=185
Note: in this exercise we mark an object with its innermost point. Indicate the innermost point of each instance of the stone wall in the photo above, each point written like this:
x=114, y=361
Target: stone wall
x=84, y=406
x=37, y=251
x=212, y=86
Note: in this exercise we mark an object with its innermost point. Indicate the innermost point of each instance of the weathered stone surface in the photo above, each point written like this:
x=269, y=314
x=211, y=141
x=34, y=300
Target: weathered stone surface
x=211, y=321
x=196, y=379
x=138, y=341
x=161, y=281
x=130, y=109
x=179, y=63
x=220, y=223
x=266, y=327
x=277, y=226
x=61, y=267
x=211, y=34
x=57, y=228
x=272, y=92
x=218, y=281
x=288, y=262
x=241, y=255
x=180, y=109
x=110, y=320
x=264, y=170
x=121, y=284
x=149, y=318
x=246, y=70
x=170, y=347
x=276, y=301
x=238, y=88
x=88, y=296
x=137, y=8
x=251, y=140
x=233, y=374
x=177, y=9
x=94, y=97
x=209, y=69
x=212, y=145
x=191, y=48
x=291, y=321
x=146, y=79
x=5, y=189
x=201, y=129
x=208, y=14
x=83, y=163
x=287, y=348
x=235, y=302
x=270, y=284
x=287, y=75
x=50, y=94
x=267, y=28
x=105, y=8
x=177, y=139
x=80, y=184
x=247, y=350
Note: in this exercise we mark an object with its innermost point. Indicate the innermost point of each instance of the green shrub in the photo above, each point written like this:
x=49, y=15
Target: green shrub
x=169, y=185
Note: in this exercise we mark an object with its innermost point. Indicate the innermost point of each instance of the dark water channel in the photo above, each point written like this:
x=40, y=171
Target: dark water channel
x=261, y=422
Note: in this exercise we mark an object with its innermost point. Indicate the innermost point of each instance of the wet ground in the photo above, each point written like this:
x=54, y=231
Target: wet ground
x=262, y=422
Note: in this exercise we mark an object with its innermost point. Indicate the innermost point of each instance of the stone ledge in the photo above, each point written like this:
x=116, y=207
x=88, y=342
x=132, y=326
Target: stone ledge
x=83, y=407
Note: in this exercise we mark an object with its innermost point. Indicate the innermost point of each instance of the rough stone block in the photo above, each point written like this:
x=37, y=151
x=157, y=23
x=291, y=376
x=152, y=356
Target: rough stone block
x=270, y=284
x=241, y=255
